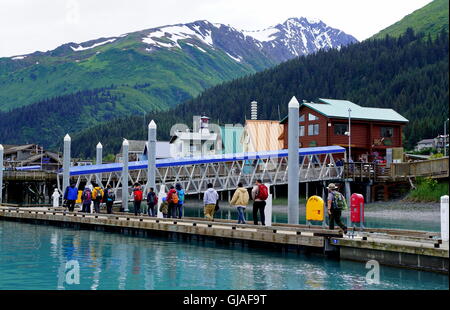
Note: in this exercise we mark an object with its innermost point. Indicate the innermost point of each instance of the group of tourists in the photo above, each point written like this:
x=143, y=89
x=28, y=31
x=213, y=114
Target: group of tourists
x=91, y=198
x=240, y=200
x=172, y=204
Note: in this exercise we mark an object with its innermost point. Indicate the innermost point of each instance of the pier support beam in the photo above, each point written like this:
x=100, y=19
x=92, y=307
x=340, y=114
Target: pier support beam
x=293, y=161
x=325, y=204
x=348, y=195
x=368, y=193
x=66, y=163
x=125, y=146
x=1, y=172
x=99, y=160
x=151, y=155
x=444, y=218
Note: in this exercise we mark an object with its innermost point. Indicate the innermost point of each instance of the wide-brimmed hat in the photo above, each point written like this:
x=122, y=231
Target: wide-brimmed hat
x=332, y=186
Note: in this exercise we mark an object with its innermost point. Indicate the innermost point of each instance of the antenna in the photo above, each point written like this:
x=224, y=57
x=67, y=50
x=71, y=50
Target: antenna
x=279, y=114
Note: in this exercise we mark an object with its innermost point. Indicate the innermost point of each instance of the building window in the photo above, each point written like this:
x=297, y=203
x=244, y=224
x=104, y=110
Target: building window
x=312, y=117
x=313, y=130
x=302, y=131
x=387, y=132
x=340, y=129
x=302, y=118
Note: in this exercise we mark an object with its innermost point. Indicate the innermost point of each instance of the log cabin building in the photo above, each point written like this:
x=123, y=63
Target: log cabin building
x=325, y=123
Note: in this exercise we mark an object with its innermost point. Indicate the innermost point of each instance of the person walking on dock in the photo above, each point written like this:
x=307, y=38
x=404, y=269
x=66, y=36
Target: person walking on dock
x=240, y=200
x=109, y=198
x=152, y=201
x=180, y=193
x=71, y=196
x=335, y=207
x=172, y=200
x=137, y=194
x=210, y=199
x=164, y=208
x=260, y=193
x=86, y=197
x=97, y=196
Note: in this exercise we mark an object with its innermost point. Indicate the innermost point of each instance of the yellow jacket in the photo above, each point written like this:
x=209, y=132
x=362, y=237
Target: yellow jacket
x=97, y=190
x=240, y=197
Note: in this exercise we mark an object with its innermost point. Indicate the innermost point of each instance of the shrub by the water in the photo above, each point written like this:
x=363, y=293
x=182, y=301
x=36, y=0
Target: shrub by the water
x=428, y=190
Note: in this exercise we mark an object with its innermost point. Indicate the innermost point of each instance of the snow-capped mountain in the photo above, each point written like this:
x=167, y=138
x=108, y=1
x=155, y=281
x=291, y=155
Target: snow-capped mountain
x=295, y=37
x=166, y=65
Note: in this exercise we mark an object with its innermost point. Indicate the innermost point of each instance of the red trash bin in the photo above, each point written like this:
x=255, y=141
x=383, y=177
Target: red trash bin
x=357, y=208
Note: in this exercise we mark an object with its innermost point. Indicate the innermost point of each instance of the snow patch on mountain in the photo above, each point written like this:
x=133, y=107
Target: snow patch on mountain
x=18, y=57
x=176, y=33
x=263, y=35
x=81, y=48
x=198, y=47
x=238, y=59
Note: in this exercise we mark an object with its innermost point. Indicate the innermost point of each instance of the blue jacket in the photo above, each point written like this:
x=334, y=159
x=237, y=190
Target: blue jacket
x=71, y=193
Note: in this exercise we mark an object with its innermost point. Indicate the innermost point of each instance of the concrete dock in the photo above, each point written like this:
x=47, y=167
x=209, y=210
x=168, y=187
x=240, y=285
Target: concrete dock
x=400, y=248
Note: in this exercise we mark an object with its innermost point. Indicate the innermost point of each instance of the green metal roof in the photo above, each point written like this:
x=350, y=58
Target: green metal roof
x=333, y=108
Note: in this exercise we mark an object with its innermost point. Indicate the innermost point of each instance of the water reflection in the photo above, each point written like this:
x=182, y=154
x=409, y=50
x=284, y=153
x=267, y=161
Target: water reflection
x=114, y=261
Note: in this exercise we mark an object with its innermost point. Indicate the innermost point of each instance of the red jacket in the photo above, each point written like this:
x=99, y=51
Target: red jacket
x=169, y=195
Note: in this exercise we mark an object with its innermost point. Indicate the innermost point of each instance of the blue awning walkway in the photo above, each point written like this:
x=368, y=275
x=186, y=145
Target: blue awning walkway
x=177, y=162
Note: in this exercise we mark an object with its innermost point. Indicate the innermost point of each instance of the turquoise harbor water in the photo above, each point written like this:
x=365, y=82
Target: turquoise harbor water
x=46, y=257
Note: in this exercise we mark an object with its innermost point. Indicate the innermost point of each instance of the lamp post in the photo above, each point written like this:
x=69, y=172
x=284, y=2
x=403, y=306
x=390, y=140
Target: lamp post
x=349, y=135
x=445, y=137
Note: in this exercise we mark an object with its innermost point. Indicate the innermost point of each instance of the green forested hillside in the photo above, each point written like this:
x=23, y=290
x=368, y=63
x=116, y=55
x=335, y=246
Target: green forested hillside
x=432, y=18
x=170, y=77
x=46, y=121
x=408, y=74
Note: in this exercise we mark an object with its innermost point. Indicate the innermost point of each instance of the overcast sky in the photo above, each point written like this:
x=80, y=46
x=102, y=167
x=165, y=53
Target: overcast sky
x=30, y=25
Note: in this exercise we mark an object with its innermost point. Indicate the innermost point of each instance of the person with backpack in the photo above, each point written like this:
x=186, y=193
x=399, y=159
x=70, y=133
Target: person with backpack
x=152, y=201
x=109, y=198
x=137, y=194
x=71, y=196
x=210, y=199
x=172, y=200
x=97, y=196
x=164, y=208
x=260, y=193
x=180, y=193
x=240, y=200
x=86, y=197
x=336, y=203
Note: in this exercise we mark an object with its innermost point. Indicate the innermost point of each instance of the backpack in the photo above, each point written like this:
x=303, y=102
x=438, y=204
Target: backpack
x=339, y=202
x=175, y=198
x=138, y=195
x=86, y=195
x=181, y=195
x=263, y=192
x=155, y=199
x=110, y=195
x=97, y=194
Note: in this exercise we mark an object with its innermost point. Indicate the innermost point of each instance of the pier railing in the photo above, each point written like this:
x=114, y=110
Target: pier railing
x=29, y=176
x=435, y=168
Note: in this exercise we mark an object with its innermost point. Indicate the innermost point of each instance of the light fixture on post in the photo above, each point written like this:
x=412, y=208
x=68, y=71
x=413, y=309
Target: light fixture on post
x=445, y=137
